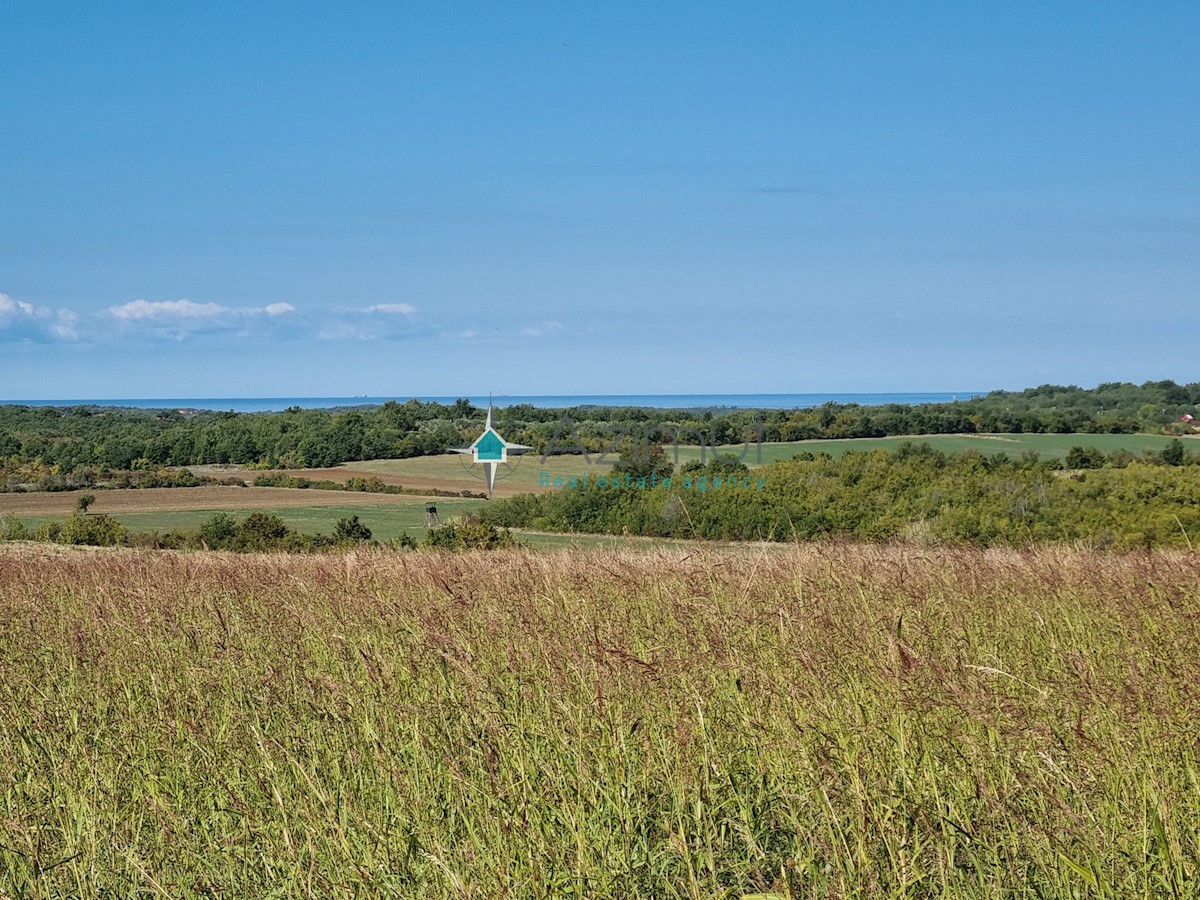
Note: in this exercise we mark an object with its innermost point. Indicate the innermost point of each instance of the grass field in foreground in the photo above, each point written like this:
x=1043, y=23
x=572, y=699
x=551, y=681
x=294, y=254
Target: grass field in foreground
x=868, y=722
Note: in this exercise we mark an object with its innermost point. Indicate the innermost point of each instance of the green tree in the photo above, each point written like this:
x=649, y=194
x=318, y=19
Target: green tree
x=93, y=531
x=261, y=531
x=1084, y=458
x=469, y=535
x=1150, y=416
x=721, y=464
x=350, y=529
x=643, y=460
x=218, y=532
x=1173, y=454
x=13, y=529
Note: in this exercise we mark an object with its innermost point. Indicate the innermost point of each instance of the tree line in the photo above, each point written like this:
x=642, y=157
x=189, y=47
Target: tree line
x=64, y=440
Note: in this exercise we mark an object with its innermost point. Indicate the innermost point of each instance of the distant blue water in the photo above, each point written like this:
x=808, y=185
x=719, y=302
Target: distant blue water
x=546, y=401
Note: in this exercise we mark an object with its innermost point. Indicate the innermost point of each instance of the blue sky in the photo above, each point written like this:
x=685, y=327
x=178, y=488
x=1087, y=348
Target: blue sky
x=304, y=200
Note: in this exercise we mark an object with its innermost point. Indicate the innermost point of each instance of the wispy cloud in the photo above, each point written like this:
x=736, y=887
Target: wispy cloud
x=541, y=329
x=176, y=310
x=24, y=322
x=369, y=323
x=184, y=319
x=181, y=318
x=504, y=335
x=404, y=309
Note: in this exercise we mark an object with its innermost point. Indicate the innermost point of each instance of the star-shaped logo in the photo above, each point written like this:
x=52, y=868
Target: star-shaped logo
x=491, y=450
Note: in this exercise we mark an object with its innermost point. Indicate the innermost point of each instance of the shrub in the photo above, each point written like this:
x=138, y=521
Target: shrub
x=48, y=531
x=260, y=531
x=13, y=529
x=469, y=535
x=93, y=531
x=402, y=542
x=720, y=464
x=218, y=532
x=1173, y=454
x=350, y=529
x=1084, y=458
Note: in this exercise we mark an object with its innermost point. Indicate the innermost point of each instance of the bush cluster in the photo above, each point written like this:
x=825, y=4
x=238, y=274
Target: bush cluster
x=914, y=493
x=472, y=534
x=79, y=529
x=256, y=533
x=370, y=484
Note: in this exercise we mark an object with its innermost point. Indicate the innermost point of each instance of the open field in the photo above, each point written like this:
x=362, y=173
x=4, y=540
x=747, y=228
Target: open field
x=821, y=721
x=207, y=499
x=385, y=521
x=1050, y=446
x=452, y=472
x=307, y=511
x=387, y=515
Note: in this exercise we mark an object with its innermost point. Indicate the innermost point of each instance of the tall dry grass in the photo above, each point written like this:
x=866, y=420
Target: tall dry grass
x=833, y=721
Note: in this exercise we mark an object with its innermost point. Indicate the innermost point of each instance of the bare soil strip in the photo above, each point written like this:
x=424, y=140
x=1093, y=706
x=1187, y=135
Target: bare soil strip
x=453, y=484
x=62, y=503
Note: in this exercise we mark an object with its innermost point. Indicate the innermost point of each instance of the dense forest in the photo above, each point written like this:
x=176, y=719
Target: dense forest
x=62, y=439
x=915, y=493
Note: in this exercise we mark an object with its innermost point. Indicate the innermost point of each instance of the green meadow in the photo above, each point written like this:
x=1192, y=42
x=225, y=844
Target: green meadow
x=822, y=721
x=524, y=471
x=521, y=473
x=1049, y=446
x=385, y=521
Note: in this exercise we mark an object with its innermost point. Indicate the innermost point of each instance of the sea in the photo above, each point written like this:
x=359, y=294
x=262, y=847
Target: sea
x=545, y=401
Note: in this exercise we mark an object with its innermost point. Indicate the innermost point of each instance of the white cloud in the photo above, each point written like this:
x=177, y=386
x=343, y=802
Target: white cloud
x=64, y=325
x=406, y=309
x=175, y=310
x=9, y=306
x=180, y=318
x=21, y=321
x=136, y=310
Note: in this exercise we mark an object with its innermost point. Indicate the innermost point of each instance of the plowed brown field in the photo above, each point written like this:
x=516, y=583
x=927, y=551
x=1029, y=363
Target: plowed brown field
x=455, y=483
x=62, y=503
